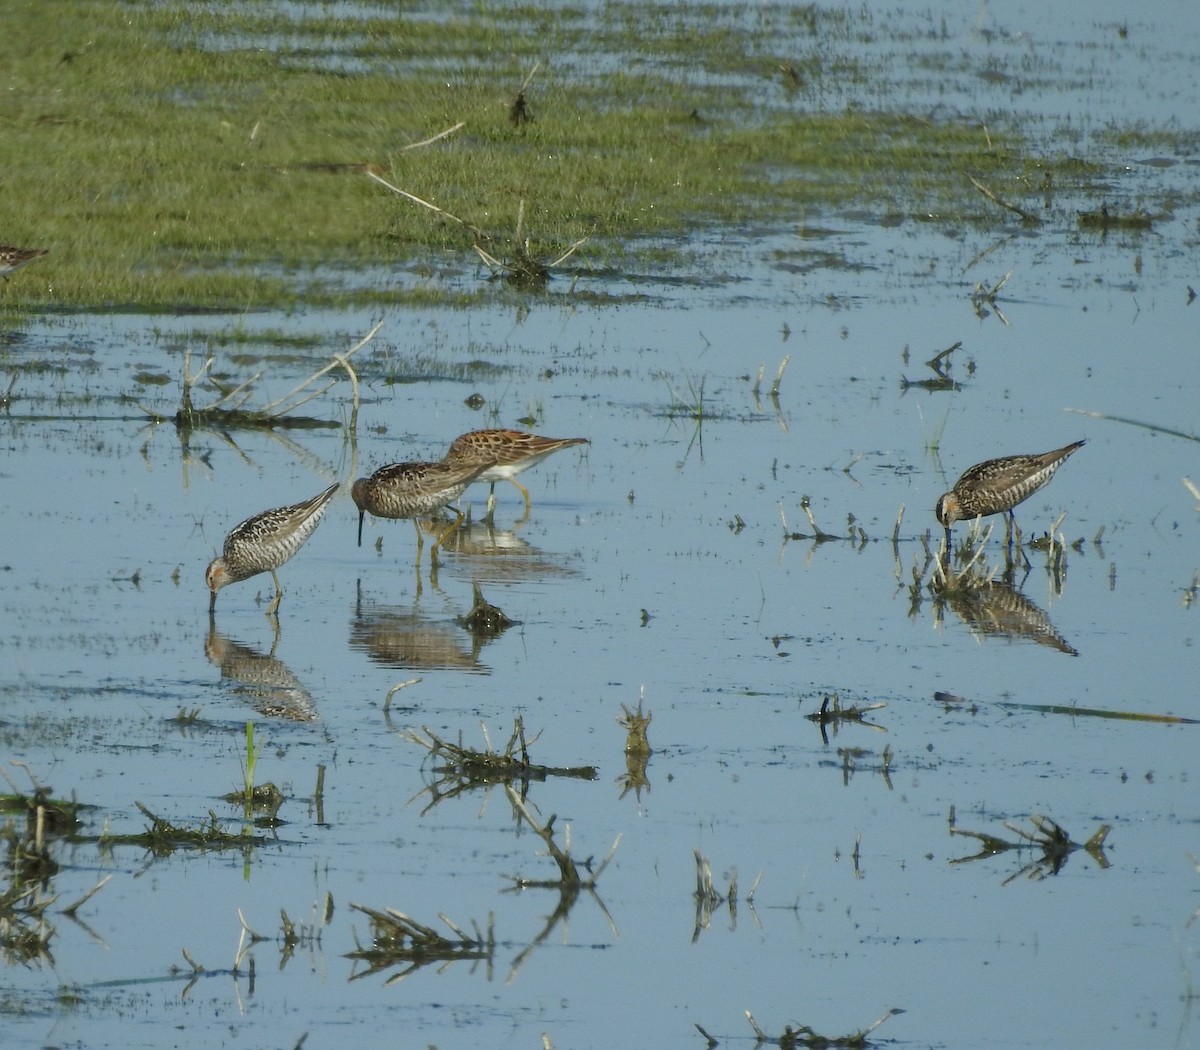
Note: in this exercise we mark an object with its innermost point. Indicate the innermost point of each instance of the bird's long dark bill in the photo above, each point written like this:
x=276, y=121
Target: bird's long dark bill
x=361, y=514
x=212, y=603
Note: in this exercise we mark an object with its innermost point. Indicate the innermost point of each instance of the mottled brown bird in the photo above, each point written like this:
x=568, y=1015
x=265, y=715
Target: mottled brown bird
x=12, y=259
x=509, y=452
x=263, y=543
x=996, y=486
x=414, y=490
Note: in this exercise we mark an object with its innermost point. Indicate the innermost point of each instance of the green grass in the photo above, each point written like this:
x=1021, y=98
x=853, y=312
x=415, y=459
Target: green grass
x=204, y=155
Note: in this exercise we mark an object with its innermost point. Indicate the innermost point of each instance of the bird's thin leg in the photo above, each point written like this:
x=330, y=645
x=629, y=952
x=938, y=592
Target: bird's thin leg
x=458, y=519
x=525, y=493
x=420, y=539
x=491, y=504
x=273, y=607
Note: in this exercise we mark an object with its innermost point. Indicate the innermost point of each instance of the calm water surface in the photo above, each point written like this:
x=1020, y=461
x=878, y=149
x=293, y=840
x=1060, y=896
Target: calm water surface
x=655, y=565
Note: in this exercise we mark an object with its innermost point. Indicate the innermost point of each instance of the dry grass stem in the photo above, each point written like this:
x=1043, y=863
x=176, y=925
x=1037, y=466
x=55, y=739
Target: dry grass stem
x=73, y=908
x=434, y=138
x=779, y=375
x=475, y=230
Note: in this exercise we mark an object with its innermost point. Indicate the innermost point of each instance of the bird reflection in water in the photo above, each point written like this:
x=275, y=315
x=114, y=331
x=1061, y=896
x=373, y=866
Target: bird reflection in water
x=995, y=607
x=496, y=555
x=262, y=678
x=400, y=637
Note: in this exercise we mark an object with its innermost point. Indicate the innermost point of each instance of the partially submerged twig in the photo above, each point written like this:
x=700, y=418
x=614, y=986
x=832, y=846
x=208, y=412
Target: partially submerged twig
x=1026, y=216
x=569, y=885
x=1153, y=427
x=387, y=703
x=983, y=297
x=832, y=713
x=569, y=876
x=819, y=535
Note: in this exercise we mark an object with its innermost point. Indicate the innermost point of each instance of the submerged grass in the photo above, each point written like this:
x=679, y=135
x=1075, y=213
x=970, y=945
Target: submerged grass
x=215, y=154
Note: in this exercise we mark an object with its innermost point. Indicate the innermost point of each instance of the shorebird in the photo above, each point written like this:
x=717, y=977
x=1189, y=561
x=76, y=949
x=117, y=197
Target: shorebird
x=996, y=486
x=12, y=259
x=508, y=452
x=414, y=490
x=263, y=543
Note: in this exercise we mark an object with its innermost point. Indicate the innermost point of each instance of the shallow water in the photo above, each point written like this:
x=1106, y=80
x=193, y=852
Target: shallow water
x=655, y=566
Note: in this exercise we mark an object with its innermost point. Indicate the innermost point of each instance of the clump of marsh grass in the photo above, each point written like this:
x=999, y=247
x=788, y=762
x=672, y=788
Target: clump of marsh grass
x=29, y=867
x=484, y=619
x=162, y=837
x=45, y=816
x=637, y=749
x=229, y=411
x=518, y=109
x=461, y=768
x=636, y=723
x=521, y=267
x=1051, y=841
x=264, y=799
x=399, y=939
x=804, y=1036
x=1104, y=220
x=25, y=931
x=690, y=406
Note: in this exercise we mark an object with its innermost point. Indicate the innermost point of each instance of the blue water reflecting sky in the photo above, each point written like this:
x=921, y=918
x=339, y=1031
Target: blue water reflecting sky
x=745, y=633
